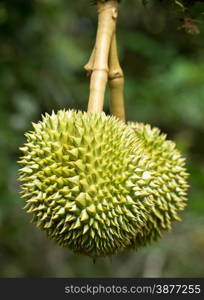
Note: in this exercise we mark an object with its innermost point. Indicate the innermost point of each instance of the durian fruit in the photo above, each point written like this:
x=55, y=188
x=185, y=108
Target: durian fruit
x=98, y=186
x=159, y=185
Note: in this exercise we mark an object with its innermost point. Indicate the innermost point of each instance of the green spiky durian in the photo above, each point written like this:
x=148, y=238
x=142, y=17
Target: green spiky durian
x=99, y=186
x=159, y=180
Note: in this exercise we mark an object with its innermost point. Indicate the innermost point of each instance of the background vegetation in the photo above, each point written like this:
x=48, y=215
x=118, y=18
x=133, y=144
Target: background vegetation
x=43, y=47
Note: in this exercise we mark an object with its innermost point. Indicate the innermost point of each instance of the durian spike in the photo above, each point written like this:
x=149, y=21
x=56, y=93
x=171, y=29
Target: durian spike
x=107, y=16
x=116, y=83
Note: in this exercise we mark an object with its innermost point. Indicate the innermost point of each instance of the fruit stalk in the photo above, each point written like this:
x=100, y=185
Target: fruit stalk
x=90, y=64
x=116, y=83
x=107, y=16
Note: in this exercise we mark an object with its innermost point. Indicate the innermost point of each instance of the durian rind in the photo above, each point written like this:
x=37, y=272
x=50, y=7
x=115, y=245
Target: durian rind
x=98, y=186
x=74, y=174
x=161, y=182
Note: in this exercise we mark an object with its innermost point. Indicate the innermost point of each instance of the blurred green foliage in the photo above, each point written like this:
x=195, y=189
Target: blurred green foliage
x=43, y=47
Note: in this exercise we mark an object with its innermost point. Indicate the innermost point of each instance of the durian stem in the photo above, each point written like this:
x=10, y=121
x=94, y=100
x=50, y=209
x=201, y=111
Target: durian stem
x=116, y=83
x=90, y=64
x=107, y=16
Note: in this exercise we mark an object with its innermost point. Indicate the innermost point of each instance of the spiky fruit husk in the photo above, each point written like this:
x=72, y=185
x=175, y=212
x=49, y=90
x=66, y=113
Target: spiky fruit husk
x=98, y=186
x=159, y=180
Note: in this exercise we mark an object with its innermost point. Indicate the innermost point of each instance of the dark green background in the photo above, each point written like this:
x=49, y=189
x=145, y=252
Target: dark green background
x=43, y=47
